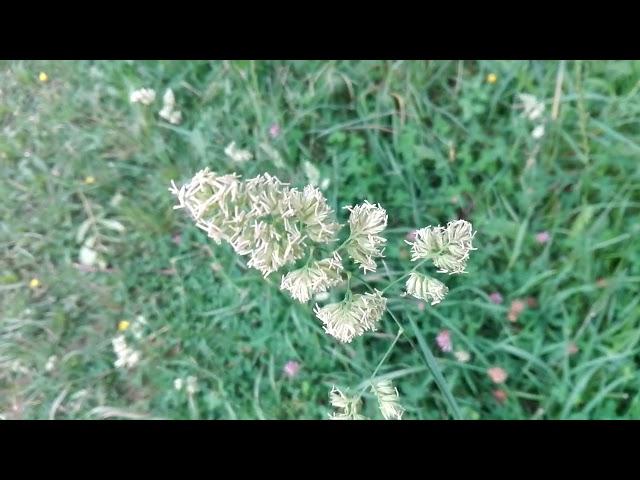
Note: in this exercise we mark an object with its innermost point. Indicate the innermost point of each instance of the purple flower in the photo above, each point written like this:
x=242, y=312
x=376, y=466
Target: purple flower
x=543, y=237
x=496, y=298
x=274, y=130
x=291, y=368
x=444, y=341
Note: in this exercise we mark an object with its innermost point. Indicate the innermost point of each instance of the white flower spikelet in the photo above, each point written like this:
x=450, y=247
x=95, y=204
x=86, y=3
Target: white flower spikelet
x=236, y=154
x=366, y=222
x=270, y=234
x=311, y=208
x=448, y=247
x=347, y=408
x=169, y=111
x=315, y=278
x=425, y=288
x=313, y=175
x=388, y=399
x=145, y=96
x=127, y=357
x=353, y=316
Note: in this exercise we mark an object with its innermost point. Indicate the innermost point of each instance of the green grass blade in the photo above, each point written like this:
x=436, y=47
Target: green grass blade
x=435, y=370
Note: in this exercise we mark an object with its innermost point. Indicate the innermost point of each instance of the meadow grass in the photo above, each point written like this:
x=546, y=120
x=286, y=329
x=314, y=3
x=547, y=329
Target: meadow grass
x=431, y=141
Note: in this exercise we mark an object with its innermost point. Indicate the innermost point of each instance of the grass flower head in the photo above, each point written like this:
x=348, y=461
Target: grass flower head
x=353, y=316
x=425, y=288
x=448, y=247
x=347, y=408
x=366, y=222
x=388, y=399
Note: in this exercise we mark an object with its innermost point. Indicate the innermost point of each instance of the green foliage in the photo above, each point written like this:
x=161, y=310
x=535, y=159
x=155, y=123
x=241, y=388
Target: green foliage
x=429, y=141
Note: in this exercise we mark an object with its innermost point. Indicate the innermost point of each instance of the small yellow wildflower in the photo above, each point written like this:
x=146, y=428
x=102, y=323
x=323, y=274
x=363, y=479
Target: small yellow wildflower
x=43, y=77
x=89, y=180
x=123, y=325
x=34, y=283
x=492, y=78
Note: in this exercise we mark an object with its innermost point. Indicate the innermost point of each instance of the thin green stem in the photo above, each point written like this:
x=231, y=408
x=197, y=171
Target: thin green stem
x=343, y=244
x=436, y=372
x=418, y=265
x=393, y=317
x=373, y=375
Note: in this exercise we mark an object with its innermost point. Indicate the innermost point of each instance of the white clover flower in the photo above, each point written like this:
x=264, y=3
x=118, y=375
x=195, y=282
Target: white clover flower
x=388, y=399
x=169, y=111
x=192, y=385
x=532, y=107
x=317, y=277
x=175, y=117
x=126, y=356
x=169, y=99
x=448, y=247
x=353, y=316
x=51, y=363
x=178, y=383
x=236, y=154
x=348, y=408
x=137, y=329
x=462, y=356
x=145, y=96
x=425, y=288
x=366, y=221
x=538, y=132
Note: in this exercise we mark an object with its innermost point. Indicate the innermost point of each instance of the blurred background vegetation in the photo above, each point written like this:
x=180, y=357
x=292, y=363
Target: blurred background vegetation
x=90, y=247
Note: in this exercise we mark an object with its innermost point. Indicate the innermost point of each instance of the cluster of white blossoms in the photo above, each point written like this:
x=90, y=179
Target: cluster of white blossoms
x=448, y=248
x=278, y=226
x=126, y=357
x=365, y=244
x=169, y=111
x=353, y=316
x=262, y=218
x=145, y=96
x=275, y=226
